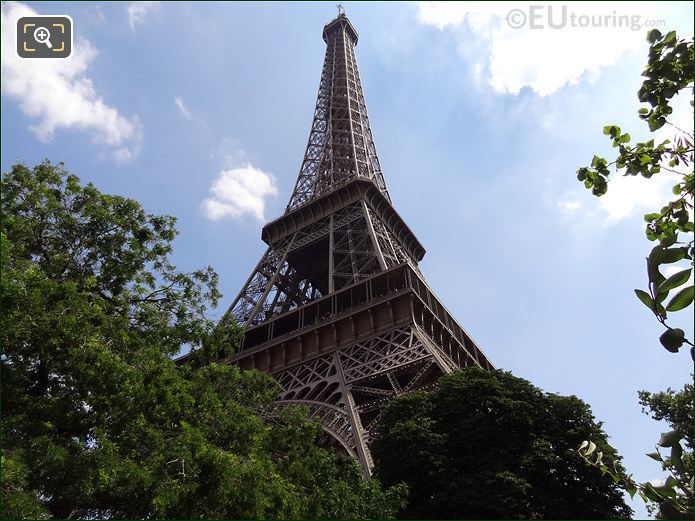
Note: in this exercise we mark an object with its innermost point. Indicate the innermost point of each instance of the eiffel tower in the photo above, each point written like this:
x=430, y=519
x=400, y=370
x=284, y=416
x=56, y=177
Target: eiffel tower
x=337, y=310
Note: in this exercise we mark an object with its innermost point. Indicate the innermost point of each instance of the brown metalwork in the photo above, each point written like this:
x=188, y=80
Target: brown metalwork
x=337, y=309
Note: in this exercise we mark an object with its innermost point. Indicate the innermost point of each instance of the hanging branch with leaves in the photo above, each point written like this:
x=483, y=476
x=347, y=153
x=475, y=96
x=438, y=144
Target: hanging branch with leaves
x=674, y=496
x=668, y=72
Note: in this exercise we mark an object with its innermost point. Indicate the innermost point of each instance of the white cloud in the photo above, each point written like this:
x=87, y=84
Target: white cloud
x=138, y=11
x=179, y=103
x=442, y=14
x=95, y=15
x=239, y=191
x=59, y=94
x=230, y=152
x=628, y=194
x=569, y=207
x=544, y=59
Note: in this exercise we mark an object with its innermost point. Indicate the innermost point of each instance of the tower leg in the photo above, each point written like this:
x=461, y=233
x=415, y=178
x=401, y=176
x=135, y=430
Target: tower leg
x=358, y=431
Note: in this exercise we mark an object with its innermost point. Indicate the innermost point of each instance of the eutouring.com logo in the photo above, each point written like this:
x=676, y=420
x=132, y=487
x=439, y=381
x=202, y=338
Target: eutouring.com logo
x=548, y=16
x=44, y=36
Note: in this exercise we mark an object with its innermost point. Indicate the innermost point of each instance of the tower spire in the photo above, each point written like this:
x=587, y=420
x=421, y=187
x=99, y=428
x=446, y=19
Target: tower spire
x=340, y=146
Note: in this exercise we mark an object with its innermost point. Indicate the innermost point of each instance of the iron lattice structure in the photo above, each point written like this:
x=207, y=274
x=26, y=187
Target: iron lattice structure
x=337, y=310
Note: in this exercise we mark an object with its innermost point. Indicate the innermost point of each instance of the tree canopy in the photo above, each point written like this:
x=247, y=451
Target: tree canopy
x=489, y=445
x=98, y=421
x=671, y=498
x=676, y=409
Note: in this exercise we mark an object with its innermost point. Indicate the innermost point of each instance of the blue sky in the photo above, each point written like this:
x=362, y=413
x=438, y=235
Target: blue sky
x=479, y=127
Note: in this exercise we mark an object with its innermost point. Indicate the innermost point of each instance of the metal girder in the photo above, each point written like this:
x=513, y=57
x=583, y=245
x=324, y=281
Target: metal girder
x=383, y=366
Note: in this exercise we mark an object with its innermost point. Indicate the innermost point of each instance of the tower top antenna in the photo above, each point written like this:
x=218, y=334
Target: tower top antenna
x=341, y=9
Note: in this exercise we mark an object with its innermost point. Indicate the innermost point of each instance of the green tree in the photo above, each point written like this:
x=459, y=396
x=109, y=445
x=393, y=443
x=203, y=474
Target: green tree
x=676, y=409
x=489, y=445
x=18, y=501
x=672, y=499
x=673, y=407
x=98, y=421
x=669, y=71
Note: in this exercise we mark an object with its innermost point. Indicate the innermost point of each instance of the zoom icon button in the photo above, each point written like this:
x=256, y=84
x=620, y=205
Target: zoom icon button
x=44, y=36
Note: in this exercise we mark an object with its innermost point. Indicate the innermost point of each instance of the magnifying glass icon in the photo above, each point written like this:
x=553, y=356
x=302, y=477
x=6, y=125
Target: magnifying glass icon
x=42, y=35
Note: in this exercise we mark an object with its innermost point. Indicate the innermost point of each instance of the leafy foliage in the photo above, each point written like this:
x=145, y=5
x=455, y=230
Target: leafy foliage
x=674, y=407
x=18, y=501
x=673, y=497
x=98, y=421
x=669, y=71
x=488, y=445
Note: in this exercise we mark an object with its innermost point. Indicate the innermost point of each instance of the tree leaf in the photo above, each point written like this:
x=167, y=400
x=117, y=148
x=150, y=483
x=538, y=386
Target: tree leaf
x=669, y=239
x=591, y=448
x=651, y=493
x=660, y=297
x=653, y=36
x=681, y=300
x=675, y=280
x=668, y=511
x=672, y=339
x=653, y=272
x=670, y=438
x=631, y=490
x=655, y=456
x=676, y=455
x=667, y=255
x=645, y=298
